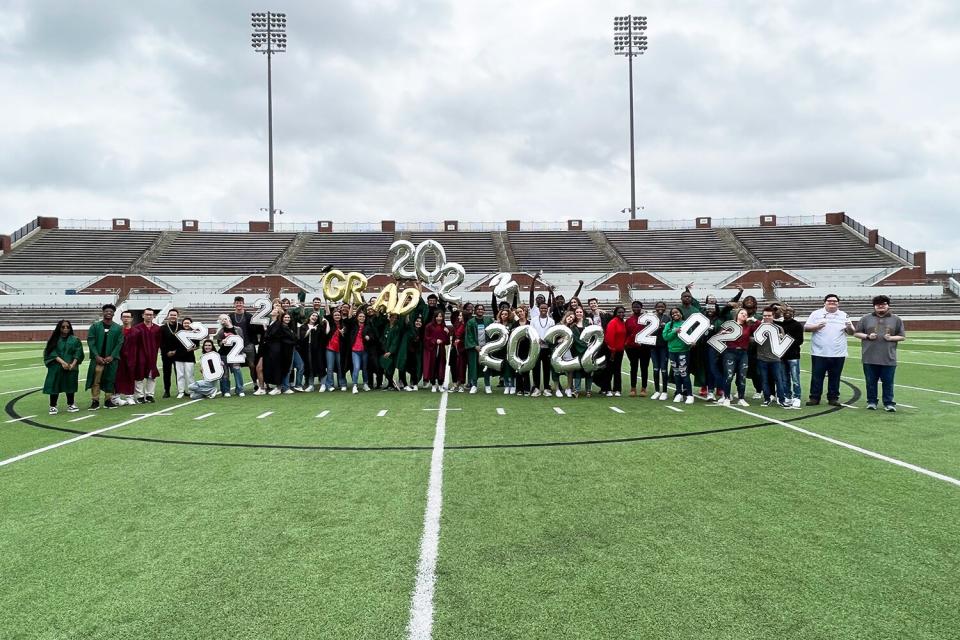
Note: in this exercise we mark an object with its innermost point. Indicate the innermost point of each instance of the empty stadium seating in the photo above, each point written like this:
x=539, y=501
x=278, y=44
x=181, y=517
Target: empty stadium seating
x=77, y=251
x=473, y=249
x=945, y=305
x=815, y=246
x=363, y=252
x=557, y=251
x=81, y=316
x=675, y=250
x=210, y=252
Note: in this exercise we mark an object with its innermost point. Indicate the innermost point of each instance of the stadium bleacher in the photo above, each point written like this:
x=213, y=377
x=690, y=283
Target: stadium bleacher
x=473, y=249
x=814, y=246
x=674, y=250
x=75, y=251
x=557, y=251
x=209, y=252
x=363, y=252
x=81, y=316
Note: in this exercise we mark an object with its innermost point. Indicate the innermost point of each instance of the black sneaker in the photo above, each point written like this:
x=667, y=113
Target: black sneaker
x=812, y=403
x=765, y=403
x=109, y=404
x=890, y=408
x=141, y=401
x=151, y=400
x=833, y=403
x=94, y=405
x=166, y=394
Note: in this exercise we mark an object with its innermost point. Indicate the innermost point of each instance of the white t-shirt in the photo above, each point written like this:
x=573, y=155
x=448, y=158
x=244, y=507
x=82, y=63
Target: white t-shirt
x=831, y=341
x=539, y=323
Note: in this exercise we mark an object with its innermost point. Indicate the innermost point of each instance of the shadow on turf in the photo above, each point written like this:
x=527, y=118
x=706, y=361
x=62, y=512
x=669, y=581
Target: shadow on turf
x=11, y=411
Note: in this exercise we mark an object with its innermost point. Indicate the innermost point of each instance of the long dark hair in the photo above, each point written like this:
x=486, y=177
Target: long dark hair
x=55, y=337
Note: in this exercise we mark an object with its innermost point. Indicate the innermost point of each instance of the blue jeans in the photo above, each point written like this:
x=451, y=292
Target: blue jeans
x=360, y=362
x=237, y=379
x=296, y=363
x=766, y=371
x=791, y=379
x=681, y=373
x=874, y=373
x=735, y=364
x=825, y=367
x=658, y=355
x=333, y=365
x=715, y=375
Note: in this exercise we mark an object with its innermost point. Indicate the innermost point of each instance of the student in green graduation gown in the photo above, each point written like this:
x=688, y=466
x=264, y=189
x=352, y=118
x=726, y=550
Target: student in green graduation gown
x=104, y=340
x=474, y=338
x=62, y=355
x=393, y=348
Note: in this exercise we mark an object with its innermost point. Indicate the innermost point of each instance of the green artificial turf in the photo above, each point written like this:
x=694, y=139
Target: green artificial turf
x=588, y=524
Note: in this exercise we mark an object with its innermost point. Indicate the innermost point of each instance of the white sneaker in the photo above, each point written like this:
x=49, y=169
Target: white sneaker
x=796, y=403
x=513, y=391
x=473, y=389
x=460, y=389
x=308, y=389
x=616, y=394
x=53, y=411
x=355, y=390
x=226, y=395
x=343, y=388
x=689, y=400
x=678, y=397
x=743, y=403
x=72, y=408
x=259, y=392
x=506, y=391
x=569, y=393
x=710, y=397
x=274, y=392
x=488, y=390
x=213, y=394
x=558, y=393
x=179, y=396
x=409, y=388
x=758, y=396
x=664, y=396
x=535, y=394
x=298, y=389
x=288, y=392
x=366, y=387
x=322, y=388
x=655, y=395
x=241, y=395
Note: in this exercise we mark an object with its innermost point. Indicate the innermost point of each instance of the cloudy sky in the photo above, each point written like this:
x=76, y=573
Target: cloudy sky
x=434, y=109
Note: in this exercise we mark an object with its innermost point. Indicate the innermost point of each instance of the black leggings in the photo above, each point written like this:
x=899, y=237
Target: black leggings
x=639, y=357
x=543, y=371
x=56, y=396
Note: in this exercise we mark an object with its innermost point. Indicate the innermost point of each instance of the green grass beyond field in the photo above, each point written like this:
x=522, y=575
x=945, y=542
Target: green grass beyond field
x=617, y=518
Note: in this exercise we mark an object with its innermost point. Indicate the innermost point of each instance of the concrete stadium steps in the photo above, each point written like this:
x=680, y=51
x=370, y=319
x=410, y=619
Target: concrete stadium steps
x=64, y=251
x=557, y=251
x=945, y=305
x=81, y=316
x=675, y=250
x=473, y=249
x=212, y=252
x=820, y=246
x=363, y=252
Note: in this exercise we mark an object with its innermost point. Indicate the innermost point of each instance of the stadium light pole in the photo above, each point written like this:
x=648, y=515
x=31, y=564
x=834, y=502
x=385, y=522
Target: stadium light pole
x=269, y=36
x=629, y=40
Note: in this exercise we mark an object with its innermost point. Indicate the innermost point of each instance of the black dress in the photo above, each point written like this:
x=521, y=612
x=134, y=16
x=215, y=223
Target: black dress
x=278, y=353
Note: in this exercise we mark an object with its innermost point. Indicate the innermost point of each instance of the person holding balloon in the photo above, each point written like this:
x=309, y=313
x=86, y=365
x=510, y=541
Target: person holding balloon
x=475, y=337
x=679, y=356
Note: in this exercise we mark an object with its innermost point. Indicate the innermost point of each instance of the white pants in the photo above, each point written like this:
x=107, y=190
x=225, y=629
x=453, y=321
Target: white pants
x=145, y=387
x=184, y=375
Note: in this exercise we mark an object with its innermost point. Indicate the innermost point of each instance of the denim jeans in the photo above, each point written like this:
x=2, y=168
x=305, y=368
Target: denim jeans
x=735, y=363
x=295, y=364
x=237, y=379
x=360, y=362
x=791, y=379
x=874, y=373
x=681, y=373
x=658, y=354
x=825, y=367
x=771, y=372
x=715, y=375
x=333, y=365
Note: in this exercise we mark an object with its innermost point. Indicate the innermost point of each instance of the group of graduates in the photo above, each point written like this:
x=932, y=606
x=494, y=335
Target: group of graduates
x=326, y=348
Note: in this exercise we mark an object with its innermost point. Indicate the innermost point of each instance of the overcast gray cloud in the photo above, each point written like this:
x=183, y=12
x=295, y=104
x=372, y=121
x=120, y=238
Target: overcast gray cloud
x=428, y=110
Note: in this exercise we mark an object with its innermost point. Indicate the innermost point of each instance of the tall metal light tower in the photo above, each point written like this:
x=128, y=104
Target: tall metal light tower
x=269, y=37
x=629, y=40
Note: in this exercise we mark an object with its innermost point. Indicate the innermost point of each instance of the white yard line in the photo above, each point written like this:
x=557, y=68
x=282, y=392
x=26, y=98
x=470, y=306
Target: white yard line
x=897, y=384
x=85, y=435
x=264, y=415
x=617, y=410
x=206, y=415
x=950, y=402
x=323, y=414
x=852, y=447
x=381, y=413
x=3, y=393
x=420, y=626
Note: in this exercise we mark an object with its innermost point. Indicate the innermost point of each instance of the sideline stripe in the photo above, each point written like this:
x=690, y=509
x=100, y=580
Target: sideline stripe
x=264, y=415
x=206, y=415
x=617, y=410
x=420, y=626
x=323, y=413
x=86, y=435
x=501, y=412
x=383, y=412
x=20, y=418
x=853, y=447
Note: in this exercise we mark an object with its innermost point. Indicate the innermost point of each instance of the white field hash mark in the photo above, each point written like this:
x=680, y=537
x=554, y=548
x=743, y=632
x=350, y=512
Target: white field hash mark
x=204, y=416
x=324, y=413
x=381, y=413
x=265, y=414
x=420, y=626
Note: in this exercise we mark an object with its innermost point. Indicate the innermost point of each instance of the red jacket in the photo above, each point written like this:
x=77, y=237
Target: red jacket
x=615, y=335
x=633, y=328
